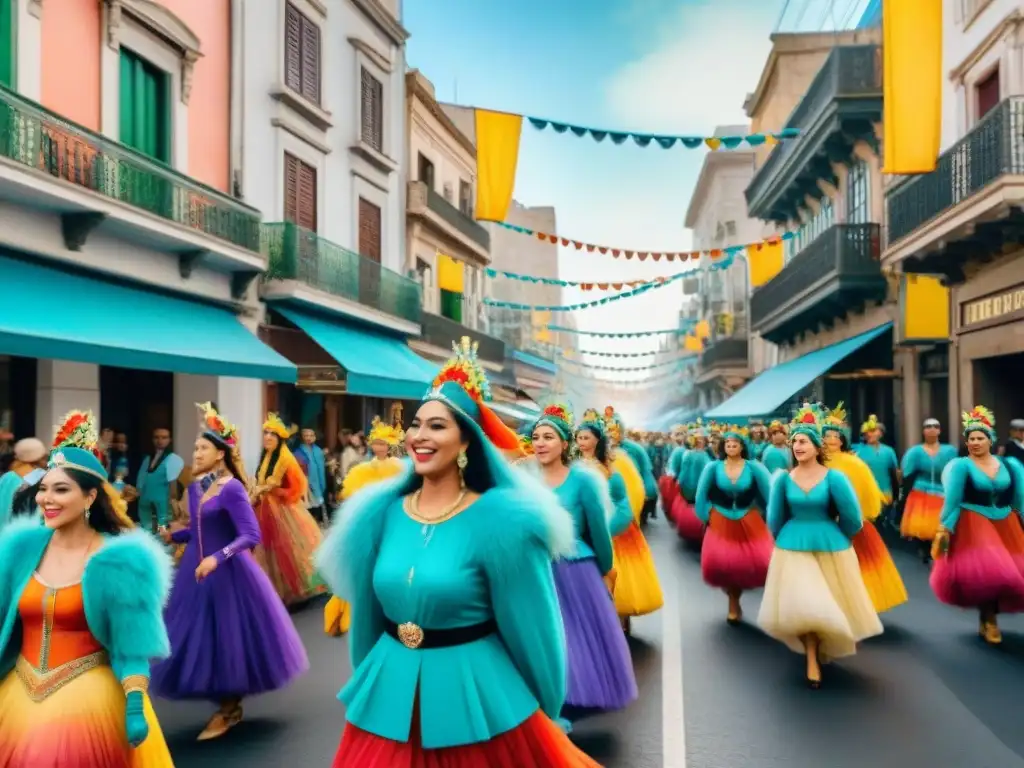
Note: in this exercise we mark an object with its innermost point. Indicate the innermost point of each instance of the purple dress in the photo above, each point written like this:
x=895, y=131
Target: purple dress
x=231, y=635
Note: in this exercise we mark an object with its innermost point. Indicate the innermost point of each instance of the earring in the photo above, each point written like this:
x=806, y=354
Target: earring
x=462, y=462
x=88, y=512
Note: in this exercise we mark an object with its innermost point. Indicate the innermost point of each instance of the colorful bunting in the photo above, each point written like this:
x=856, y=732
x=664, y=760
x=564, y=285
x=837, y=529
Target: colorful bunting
x=581, y=305
x=679, y=363
x=645, y=140
x=602, y=335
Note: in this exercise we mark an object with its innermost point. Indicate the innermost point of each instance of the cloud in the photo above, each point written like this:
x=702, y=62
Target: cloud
x=701, y=66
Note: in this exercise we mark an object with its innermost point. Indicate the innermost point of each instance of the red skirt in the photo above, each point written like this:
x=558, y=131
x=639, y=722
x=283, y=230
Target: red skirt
x=669, y=489
x=688, y=525
x=536, y=743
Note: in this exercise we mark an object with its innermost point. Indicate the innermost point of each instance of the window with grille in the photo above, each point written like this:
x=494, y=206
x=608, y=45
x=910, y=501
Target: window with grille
x=301, y=54
x=466, y=197
x=369, y=230
x=300, y=193
x=372, y=108
x=810, y=230
x=857, y=193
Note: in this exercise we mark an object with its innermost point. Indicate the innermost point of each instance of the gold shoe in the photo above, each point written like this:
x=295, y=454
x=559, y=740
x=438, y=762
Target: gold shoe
x=991, y=633
x=220, y=724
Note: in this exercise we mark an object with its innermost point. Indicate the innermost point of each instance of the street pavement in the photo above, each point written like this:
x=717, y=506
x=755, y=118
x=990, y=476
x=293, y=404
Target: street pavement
x=926, y=693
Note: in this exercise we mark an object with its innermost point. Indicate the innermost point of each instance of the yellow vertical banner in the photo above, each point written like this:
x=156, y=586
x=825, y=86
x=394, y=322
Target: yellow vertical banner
x=693, y=344
x=497, y=155
x=912, y=85
x=924, y=301
x=765, y=261
x=702, y=330
x=450, y=274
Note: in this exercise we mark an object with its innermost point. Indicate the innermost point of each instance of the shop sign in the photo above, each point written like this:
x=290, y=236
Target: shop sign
x=992, y=307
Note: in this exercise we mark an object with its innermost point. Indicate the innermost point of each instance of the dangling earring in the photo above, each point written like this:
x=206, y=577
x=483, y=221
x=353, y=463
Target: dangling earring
x=88, y=513
x=462, y=462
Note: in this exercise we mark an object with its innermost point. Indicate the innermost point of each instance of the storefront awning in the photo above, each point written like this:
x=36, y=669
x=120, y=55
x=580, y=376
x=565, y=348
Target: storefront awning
x=764, y=395
x=376, y=364
x=49, y=313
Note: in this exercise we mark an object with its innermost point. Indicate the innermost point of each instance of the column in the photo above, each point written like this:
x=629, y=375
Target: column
x=910, y=392
x=240, y=401
x=63, y=386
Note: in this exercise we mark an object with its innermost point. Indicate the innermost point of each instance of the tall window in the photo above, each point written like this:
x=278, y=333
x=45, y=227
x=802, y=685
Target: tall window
x=301, y=54
x=372, y=108
x=466, y=197
x=300, y=193
x=8, y=43
x=425, y=171
x=810, y=230
x=145, y=106
x=369, y=230
x=857, y=194
x=987, y=93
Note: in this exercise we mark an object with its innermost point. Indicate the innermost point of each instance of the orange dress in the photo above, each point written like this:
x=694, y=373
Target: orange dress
x=62, y=706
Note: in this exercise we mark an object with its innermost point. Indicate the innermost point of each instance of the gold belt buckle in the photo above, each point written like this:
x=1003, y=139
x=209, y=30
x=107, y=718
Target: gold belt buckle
x=410, y=635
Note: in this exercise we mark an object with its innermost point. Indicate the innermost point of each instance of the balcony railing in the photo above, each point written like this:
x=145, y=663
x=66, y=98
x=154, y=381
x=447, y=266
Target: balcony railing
x=845, y=256
x=725, y=351
x=993, y=148
x=441, y=331
x=33, y=136
x=294, y=253
x=464, y=223
x=849, y=72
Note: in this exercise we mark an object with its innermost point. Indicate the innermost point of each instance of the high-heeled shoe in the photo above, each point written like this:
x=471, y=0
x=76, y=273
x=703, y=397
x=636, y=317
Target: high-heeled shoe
x=813, y=675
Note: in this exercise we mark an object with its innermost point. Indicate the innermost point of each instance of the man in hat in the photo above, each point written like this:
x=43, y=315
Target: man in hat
x=30, y=455
x=1014, y=447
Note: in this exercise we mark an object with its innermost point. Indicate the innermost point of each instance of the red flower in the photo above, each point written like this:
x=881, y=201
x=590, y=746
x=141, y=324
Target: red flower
x=807, y=418
x=554, y=410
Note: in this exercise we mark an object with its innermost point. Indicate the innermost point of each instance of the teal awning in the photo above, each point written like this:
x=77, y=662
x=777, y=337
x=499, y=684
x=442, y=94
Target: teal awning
x=515, y=411
x=764, y=395
x=50, y=313
x=376, y=364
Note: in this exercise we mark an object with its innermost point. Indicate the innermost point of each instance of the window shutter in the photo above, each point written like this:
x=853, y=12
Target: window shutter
x=292, y=48
x=291, y=188
x=369, y=230
x=310, y=61
x=372, y=108
x=307, y=197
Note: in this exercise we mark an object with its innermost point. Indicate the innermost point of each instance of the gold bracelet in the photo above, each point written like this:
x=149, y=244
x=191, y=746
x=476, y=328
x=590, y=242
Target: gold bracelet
x=135, y=684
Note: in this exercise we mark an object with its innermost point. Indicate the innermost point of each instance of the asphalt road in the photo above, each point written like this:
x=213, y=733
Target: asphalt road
x=926, y=693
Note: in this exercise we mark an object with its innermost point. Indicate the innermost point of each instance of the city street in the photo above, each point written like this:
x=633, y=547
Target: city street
x=925, y=693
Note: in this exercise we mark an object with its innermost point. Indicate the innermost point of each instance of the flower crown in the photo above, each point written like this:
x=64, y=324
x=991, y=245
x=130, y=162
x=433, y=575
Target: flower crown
x=870, y=425
x=78, y=431
x=979, y=417
x=558, y=411
x=777, y=426
x=593, y=420
x=385, y=432
x=278, y=427
x=464, y=369
x=807, y=416
x=836, y=417
x=217, y=425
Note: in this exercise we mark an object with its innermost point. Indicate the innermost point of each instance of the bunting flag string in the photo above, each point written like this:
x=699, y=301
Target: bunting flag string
x=680, y=363
x=606, y=285
x=595, y=353
x=644, y=140
x=629, y=253
x=672, y=377
x=603, y=335
x=582, y=305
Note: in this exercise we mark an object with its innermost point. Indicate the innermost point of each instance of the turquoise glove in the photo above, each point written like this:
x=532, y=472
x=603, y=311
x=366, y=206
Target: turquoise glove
x=135, y=723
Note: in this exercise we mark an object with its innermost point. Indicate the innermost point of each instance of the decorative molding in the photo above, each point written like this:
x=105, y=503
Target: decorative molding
x=372, y=156
x=1005, y=29
x=76, y=228
x=381, y=17
x=377, y=58
x=314, y=114
x=299, y=134
x=35, y=8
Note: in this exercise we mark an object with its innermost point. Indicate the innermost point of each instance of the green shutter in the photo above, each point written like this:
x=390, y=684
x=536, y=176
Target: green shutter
x=8, y=43
x=145, y=107
x=451, y=305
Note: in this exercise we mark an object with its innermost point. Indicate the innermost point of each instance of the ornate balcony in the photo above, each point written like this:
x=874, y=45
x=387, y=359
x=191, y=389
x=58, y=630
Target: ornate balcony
x=969, y=207
x=448, y=221
x=840, y=108
x=836, y=274
x=440, y=332
x=725, y=353
x=296, y=254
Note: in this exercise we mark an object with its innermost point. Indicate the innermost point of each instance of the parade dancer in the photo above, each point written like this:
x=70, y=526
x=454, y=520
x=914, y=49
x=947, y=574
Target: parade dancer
x=288, y=533
x=814, y=599
x=777, y=456
x=668, y=485
x=731, y=500
x=881, y=460
x=230, y=633
x=882, y=579
x=758, y=440
x=384, y=441
x=457, y=644
x=921, y=501
x=642, y=462
x=688, y=525
x=80, y=621
x=979, y=547
x=600, y=668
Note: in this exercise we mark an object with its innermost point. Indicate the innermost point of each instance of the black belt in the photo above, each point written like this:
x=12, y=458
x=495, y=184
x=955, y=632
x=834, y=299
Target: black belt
x=414, y=636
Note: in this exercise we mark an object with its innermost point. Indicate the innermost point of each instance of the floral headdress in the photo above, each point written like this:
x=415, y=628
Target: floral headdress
x=76, y=446
x=385, y=433
x=807, y=421
x=275, y=425
x=217, y=427
x=834, y=420
x=979, y=419
x=559, y=417
x=735, y=432
x=777, y=426
x=613, y=425
x=462, y=385
x=870, y=425
x=593, y=421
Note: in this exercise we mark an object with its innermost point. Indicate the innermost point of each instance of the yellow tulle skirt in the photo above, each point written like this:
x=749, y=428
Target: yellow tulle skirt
x=637, y=588
x=78, y=726
x=882, y=580
x=819, y=593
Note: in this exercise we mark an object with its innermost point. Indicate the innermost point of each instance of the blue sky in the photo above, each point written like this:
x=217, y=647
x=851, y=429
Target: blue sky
x=671, y=66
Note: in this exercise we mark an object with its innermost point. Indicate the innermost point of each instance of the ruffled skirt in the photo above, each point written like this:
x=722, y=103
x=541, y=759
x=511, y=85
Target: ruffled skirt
x=921, y=513
x=819, y=593
x=736, y=553
x=637, y=588
x=882, y=580
x=688, y=525
x=669, y=489
x=81, y=725
x=984, y=566
x=290, y=536
x=600, y=669
x=536, y=743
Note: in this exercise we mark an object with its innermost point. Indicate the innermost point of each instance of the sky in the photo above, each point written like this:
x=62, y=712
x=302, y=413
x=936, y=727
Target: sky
x=668, y=66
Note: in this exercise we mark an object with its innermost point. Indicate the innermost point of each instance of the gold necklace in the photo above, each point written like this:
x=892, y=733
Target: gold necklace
x=450, y=511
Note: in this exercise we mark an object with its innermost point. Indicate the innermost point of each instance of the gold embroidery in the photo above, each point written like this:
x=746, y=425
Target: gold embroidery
x=40, y=684
x=135, y=684
x=49, y=611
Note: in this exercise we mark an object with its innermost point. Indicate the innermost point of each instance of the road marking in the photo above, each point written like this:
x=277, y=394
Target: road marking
x=673, y=721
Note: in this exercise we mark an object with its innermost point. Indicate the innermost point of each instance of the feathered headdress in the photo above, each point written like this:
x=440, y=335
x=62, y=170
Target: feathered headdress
x=385, y=433
x=75, y=446
x=834, y=420
x=979, y=419
x=275, y=425
x=559, y=417
x=217, y=426
x=870, y=425
x=807, y=421
x=593, y=421
x=735, y=432
x=462, y=385
x=776, y=426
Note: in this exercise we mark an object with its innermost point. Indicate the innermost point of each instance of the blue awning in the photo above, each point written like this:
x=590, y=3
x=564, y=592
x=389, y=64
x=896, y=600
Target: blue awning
x=533, y=360
x=376, y=364
x=50, y=313
x=764, y=395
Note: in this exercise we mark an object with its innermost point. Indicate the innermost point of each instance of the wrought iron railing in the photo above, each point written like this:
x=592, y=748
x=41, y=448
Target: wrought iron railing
x=466, y=224
x=850, y=71
x=726, y=350
x=37, y=138
x=842, y=250
x=993, y=148
x=294, y=253
x=441, y=331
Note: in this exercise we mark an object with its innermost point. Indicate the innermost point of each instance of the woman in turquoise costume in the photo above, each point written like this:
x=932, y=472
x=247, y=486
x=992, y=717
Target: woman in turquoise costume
x=667, y=484
x=881, y=460
x=688, y=525
x=457, y=643
x=921, y=502
x=814, y=599
x=732, y=497
x=777, y=456
x=636, y=452
x=600, y=668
